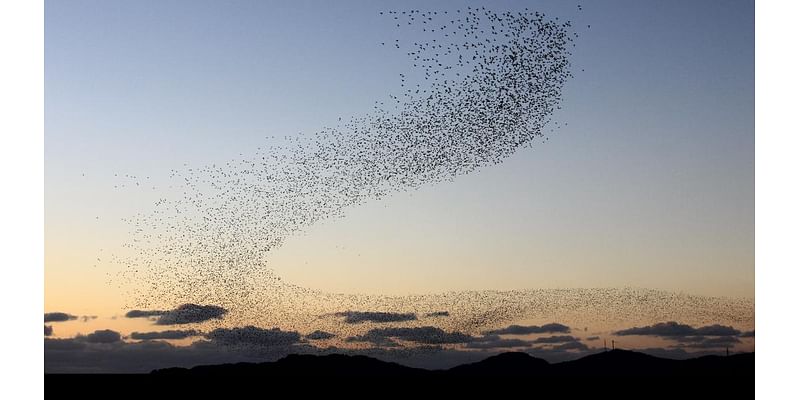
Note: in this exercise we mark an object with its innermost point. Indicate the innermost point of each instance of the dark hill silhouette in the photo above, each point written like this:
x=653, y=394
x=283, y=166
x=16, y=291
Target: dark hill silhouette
x=334, y=365
x=614, y=363
x=621, y=363
x=618, y=373
x=505, y=364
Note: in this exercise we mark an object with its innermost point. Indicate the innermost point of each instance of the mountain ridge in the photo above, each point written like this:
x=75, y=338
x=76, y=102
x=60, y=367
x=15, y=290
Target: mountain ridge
x=613, y=363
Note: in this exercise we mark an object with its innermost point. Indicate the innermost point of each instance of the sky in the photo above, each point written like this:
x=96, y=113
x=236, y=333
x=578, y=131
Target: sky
x=650, y=185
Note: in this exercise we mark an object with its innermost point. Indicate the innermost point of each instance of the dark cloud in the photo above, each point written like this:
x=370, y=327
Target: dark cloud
x=356, y=317
x=63, y=345
x=253, y=336
x=562, y=351
x=77, y=355
x=438, y=314
x=527, y=330
x=590, y=338
x=717, y=330
x=496, y=342
x=58, y=317
x=674, y=329
x=705, y=342
x=169, y=334
x=556, y=339
x=144, y=313
x=190, y=313
x=748, y=334
x=422, y=335
x=661, y=329
x=87, y=318
x=377, y=340
x=103, y=336
x=677, y=353
x=320, y=335
x=706, y=337
x=573, y=345
x=48, y=330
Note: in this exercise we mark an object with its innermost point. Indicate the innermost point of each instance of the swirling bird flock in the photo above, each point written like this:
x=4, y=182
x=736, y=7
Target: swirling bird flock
x=481, y=85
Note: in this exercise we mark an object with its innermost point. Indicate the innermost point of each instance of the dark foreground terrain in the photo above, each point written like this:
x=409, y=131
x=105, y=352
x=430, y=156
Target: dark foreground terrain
x=617, y=371
x=616, y=363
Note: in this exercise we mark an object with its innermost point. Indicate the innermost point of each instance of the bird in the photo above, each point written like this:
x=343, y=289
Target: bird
x=486, y=87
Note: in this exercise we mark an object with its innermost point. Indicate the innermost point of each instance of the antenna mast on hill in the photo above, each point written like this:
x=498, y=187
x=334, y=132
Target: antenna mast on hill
x=612, y=344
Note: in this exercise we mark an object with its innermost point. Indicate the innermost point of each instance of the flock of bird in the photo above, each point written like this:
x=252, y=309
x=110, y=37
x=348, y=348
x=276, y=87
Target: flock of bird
x=481, y=85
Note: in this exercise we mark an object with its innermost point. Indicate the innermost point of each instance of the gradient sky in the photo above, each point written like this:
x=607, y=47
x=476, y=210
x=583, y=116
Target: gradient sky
x=650, y=185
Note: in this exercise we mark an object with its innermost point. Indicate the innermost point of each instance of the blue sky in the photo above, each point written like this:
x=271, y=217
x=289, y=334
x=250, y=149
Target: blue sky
x=650, y=184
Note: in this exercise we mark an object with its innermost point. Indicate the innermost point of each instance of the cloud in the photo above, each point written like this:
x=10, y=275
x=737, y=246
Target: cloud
x=376, y=340
x=184, y=314
x=320, y=335
x=561, y=351
x=168, y=334
x=191, y=313
x=422, y=335
x=748, y=334
x=527, y=330
x=496, y=342
x=251, y=335
x=678, y=353
x=559, y=344
x=590, y=338
x=144, y=313
x=674, y=329
x=705, y=342
x=48, y=330
x=706, y=337
x=58, y=317
x=356, y=317
x=103, y=336
x=665, y=329
x=63, y=345
x=61, y=317
x=717, y=330
x=78, y=355
x=556, y=339
x=438, y=314
x=573, y=345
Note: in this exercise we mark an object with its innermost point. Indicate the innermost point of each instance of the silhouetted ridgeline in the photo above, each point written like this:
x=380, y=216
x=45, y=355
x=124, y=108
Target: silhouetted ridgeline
x=615, y=363
x=618, y=372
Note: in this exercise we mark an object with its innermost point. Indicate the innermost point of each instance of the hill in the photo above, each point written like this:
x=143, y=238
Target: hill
x=614, y=363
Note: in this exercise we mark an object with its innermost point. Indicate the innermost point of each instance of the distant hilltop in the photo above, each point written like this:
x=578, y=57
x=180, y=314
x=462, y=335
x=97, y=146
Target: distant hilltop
x=618, y=373
x=614, y=363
